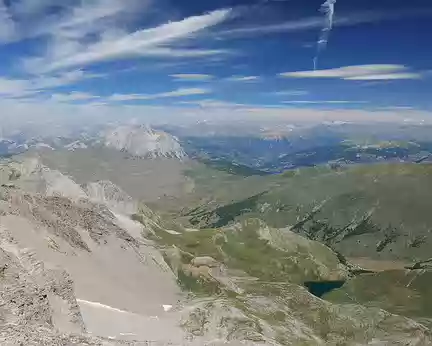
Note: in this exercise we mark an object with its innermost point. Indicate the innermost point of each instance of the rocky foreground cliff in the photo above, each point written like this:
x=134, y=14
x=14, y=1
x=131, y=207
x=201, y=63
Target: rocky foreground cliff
x=87, y=265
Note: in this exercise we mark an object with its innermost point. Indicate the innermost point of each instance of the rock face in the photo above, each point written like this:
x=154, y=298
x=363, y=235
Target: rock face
x=38, y=306
x=118, y=281
x=110, y=194
x=142, y=141
x=75, y=146
x=30, y=175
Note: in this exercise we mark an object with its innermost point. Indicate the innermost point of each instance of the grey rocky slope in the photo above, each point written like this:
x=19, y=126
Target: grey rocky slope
x=30, y=175
x=38, y=306
x=123, y=277
x=110, y=194
x=142, y=141
x=121, y=282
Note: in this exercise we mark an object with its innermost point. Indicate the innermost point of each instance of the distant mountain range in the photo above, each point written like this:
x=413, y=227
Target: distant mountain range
x=306, y=147
x=247, y=152
x=9, y=147
x=135, y=140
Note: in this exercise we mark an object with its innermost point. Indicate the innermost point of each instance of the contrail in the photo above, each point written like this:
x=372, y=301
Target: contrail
x=328, y=8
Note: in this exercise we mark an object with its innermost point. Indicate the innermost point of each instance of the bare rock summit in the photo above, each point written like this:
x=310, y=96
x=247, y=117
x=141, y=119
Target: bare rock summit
x=143, y=141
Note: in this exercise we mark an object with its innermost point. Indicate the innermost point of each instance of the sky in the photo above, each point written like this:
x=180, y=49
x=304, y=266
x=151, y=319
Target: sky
x=299, y=59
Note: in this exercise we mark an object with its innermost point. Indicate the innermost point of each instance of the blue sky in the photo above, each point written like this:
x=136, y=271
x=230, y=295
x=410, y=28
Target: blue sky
x=216, y=56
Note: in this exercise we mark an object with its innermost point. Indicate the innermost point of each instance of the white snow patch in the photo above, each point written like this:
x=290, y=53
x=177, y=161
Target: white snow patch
x=167, y=307
x=172, y=232
x=127, y=334
x=101, y=306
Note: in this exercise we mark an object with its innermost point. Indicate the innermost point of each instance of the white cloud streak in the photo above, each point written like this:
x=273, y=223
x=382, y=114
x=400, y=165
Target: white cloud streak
x=170, y=94
x=335, y=102
x=83, y=32
x=311, y=23
x=211, y=103
x=62, y=79
x=316, y=22
x=26, y=8
x=388, y=76
x=297, y=25
x=73, y=96
x=191, y=77
x=183, y=53
x=328, y=8
x=26, y=87
x=74, y=19
x=291, y=93
x=243, y=78
x=359, y=72
x=68, y=48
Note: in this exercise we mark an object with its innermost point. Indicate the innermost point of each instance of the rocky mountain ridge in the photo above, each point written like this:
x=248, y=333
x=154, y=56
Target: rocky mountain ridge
x=138, y=141
x=107, y=258
x=143, y=141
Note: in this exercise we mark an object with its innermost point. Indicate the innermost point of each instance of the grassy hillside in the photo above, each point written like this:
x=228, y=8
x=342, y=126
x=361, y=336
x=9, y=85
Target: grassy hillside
x=250, y=279
x=398, y=291
x=378, y=211
x=373, y=214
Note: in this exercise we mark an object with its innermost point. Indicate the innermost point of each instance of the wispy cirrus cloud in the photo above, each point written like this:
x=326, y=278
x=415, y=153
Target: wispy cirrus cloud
x=334, y=102
x=170, y=94
x=386, y=76
x=184, y=53
x=73, y=96
x=316, y=22
x=89, y=98
x=71, y=46
x=311, y=23
x=328, y=8
x=69, y=19
x=243, y=78
x=359, y=72
x=295, y=25
x=28, y=8
x=291, y=93
x=72, y=34
x=212, y=103
x=62, y=79
x=191, y=77
x=71, y=38
x=25, y=87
